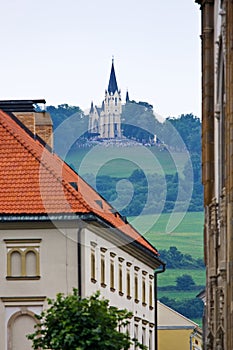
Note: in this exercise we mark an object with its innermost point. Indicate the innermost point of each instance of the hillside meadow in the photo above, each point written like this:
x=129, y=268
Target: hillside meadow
x=122, y=161
x=187, y=236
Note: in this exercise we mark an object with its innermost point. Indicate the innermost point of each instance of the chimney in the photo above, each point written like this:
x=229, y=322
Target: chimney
x=38, y=122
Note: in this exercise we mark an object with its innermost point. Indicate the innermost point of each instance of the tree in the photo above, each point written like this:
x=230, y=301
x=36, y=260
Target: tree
x=185, y=282
x=75, y=323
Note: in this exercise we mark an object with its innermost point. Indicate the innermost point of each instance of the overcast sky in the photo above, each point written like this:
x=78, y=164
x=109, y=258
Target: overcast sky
x=62, y=51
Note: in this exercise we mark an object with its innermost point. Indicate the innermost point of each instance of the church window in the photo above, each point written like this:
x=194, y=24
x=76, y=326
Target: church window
x=23, y=258
x=115, y=101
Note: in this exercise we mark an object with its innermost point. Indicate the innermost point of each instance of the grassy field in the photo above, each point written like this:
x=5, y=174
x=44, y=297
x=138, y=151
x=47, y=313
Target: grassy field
x=122, y=161
x=187, y=236
x=168, y=278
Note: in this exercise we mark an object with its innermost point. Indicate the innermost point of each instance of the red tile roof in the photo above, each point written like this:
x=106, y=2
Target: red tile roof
x=34, y=181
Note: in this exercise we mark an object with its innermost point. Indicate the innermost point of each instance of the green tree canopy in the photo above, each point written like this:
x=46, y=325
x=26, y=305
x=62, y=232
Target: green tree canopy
x=185, y=282
x=75, y=323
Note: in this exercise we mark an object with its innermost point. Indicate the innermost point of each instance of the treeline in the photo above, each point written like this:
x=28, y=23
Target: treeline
x=174, y=259
x=162, y=196
x=191, y=308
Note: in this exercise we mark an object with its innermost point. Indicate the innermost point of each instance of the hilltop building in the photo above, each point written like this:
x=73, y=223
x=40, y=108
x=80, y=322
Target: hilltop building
x=105, y=121
x=217, y=150
x=57, y=233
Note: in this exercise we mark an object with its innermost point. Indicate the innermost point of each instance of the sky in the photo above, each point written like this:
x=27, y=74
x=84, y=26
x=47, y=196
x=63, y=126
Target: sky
x=62, y=51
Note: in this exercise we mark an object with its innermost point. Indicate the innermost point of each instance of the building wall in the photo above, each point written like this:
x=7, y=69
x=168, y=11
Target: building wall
x=40, y=262
x=175, y=339
x=217, y=112
x=118, y=285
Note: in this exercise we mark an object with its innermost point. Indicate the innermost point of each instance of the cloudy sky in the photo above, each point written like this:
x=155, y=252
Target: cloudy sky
x=62, y=51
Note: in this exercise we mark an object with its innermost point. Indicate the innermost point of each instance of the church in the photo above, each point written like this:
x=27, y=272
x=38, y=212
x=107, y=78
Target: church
x=105, y=121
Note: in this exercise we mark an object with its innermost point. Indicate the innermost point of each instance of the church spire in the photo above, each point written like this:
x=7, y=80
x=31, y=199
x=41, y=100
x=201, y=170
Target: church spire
x=112, y=85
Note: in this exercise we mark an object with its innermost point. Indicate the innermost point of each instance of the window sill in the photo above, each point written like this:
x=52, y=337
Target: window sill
x=20, y=278
x=103, y=285
x=93, y=280
x=112, y=289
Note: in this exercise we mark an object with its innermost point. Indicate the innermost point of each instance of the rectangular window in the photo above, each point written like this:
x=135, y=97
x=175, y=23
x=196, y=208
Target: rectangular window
x=112, y=279
x=136, y=288
x=150, y=296
x=135, y=335
x=143, y=336
x=143, y=291
x=93, y=265
x=150, y=340
x=103, y=271
x=120, y=280
x=128, y=284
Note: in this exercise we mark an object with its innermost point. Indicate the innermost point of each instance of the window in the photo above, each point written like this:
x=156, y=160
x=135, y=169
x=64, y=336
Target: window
x=120, y=280
x=143, y=336
x=112, y=279
x=93, y=279
x=103, y=271
x=23, y=258
x=128, y=284
x=135, y=335
x=136, y=288
x=150, y=340
x=150, y=296
x=143, y=292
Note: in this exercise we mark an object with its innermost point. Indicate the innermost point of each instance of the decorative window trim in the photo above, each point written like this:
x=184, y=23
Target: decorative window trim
x=23, y=247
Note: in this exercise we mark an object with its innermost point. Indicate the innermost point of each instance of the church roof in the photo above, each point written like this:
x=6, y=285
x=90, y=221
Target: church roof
x=112, y=85
x=36, y=182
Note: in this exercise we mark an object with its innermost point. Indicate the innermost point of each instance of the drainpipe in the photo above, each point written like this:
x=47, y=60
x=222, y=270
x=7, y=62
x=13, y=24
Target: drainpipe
x=79, y=262
x=156, y=272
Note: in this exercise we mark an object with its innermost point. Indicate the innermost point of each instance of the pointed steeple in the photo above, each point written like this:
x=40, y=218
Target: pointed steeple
x=92, y=107
x=112, y=85
x=127, y=97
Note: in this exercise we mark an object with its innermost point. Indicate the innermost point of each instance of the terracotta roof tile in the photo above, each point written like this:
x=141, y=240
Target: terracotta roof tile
x=35, y=181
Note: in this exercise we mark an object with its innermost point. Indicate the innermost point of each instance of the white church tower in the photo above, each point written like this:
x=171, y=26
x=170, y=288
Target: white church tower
x=106, y=120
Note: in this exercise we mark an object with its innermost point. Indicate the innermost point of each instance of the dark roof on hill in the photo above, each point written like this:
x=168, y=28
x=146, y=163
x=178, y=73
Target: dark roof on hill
x=112, y=85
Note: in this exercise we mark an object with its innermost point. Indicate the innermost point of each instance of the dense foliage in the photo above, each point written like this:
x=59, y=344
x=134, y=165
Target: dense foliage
x=176, y=260
x=73, y=323
x=191, y=308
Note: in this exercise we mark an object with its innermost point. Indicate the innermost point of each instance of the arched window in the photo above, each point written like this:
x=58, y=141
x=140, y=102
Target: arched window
x=23, y=260
x=19, y=325
x=15, y=263
x=31, y=264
